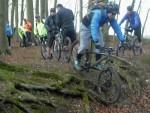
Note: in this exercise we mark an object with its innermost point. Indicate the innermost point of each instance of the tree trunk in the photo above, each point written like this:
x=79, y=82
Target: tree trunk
x=46, y=8
x=139, y=7
x=42, y=3
x=12, y=12
x=145, y=22
x=81, y=9
x=30, y=15
x=37, y=7
x=7, y=13
x=55, y=3
x=16, y=16
x=3, y=41
x=22, y=12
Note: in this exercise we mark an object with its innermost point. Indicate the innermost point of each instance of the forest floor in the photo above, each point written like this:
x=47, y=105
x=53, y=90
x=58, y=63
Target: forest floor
x=31, y=58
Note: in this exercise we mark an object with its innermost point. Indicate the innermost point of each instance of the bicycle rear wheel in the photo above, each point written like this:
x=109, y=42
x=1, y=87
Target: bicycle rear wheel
x=74, y=51
x=65, y=53
x=108, y=86
x=137, y=49
x=44, y=50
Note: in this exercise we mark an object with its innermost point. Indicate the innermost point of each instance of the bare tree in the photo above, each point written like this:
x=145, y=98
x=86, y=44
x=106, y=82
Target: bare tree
x=55, y=3
x=37, y=7
x=46, y=8
x=22, y=12
x=13, y=12
x=145, y=21
x=42, y=12
x=3, y=11
x=81, y=9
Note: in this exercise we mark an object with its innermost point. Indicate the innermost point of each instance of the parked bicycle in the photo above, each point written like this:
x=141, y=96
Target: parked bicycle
x=131, y=44
x=108, y=84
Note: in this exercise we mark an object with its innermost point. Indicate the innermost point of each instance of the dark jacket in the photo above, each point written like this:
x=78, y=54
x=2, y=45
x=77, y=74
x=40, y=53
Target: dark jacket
x=65, y=18
x=50, y=23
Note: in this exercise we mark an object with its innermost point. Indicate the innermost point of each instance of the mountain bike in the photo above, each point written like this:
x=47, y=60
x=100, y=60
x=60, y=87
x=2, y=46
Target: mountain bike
x=108, y=85
x=131, y=44
x=61, y=47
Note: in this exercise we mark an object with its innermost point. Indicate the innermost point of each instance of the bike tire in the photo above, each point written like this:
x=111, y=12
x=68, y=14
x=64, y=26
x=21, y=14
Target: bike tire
x=56, y=50
x=73, y=52
x=108, y=81
x=137, y=50
x=65, y=52
x=44, y=50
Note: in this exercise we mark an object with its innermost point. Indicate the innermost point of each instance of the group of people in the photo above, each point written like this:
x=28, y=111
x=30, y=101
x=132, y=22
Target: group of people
x=98, y=15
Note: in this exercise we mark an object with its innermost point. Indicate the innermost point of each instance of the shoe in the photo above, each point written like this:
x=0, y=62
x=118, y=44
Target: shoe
x=77, y=65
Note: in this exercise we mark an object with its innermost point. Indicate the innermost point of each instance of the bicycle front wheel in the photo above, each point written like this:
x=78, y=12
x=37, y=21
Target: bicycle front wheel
x=44, y=50
x=56, y=49
x=108, y=87
x=137, y=49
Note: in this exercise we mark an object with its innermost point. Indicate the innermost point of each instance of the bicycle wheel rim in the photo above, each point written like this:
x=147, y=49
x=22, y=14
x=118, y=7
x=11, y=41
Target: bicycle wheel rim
x=66, y=50
x=137, y=50
x=108, y=86
x=56, y=50
x=44, y=51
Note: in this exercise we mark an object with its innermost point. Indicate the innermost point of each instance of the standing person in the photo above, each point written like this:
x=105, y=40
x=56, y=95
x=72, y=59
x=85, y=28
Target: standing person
x=51, y=26
x=8, y=33
x=40, y=30
x=90, y=30
x=65, y=20
x=135, y=23
x=28, y=30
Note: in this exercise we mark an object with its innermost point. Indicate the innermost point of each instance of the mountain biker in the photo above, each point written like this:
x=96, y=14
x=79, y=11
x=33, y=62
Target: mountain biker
x=28, y=29
x=40, y=30
x=51, y=26
x=8, y=33
x=134, y=20
x=90, y=30
x=65, y=20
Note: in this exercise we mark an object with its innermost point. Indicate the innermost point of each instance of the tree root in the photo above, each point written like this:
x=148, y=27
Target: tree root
x=65, y=92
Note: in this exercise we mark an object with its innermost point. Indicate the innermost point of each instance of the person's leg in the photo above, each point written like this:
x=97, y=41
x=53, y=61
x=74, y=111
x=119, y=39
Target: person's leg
x=99, y=46
x=84, y=42
x=9, y=41
x=137, y=32
x=51, y=39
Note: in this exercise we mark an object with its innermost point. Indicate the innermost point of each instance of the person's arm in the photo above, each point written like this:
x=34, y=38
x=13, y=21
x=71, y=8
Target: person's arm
x=96, y=18
x=117, y=30
x=123, y=19
x=46, y=24
x=136, y=21
x=58, y=19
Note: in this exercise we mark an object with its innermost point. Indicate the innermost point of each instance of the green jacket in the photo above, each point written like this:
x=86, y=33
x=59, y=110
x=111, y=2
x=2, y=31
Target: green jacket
x=21, y=32
x=40, y=30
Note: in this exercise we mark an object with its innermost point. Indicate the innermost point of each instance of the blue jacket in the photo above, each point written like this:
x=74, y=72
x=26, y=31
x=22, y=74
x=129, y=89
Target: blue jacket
x=133, y=19
x=8, y=30
x=99, y=18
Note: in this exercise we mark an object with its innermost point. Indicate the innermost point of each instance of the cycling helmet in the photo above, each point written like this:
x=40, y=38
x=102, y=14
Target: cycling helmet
x=112, y=8
x=52, y=10
x=129, y=8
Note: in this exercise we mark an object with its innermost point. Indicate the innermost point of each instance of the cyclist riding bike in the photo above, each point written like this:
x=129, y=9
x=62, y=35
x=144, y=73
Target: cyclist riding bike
x=90, y=30
x=135, y=23
x=64, y=21
x=51, y=26
x=40, y=30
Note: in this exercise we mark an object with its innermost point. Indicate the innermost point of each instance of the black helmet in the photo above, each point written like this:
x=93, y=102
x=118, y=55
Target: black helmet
x=52, y=10
x=112, y=8
x=129, y=8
